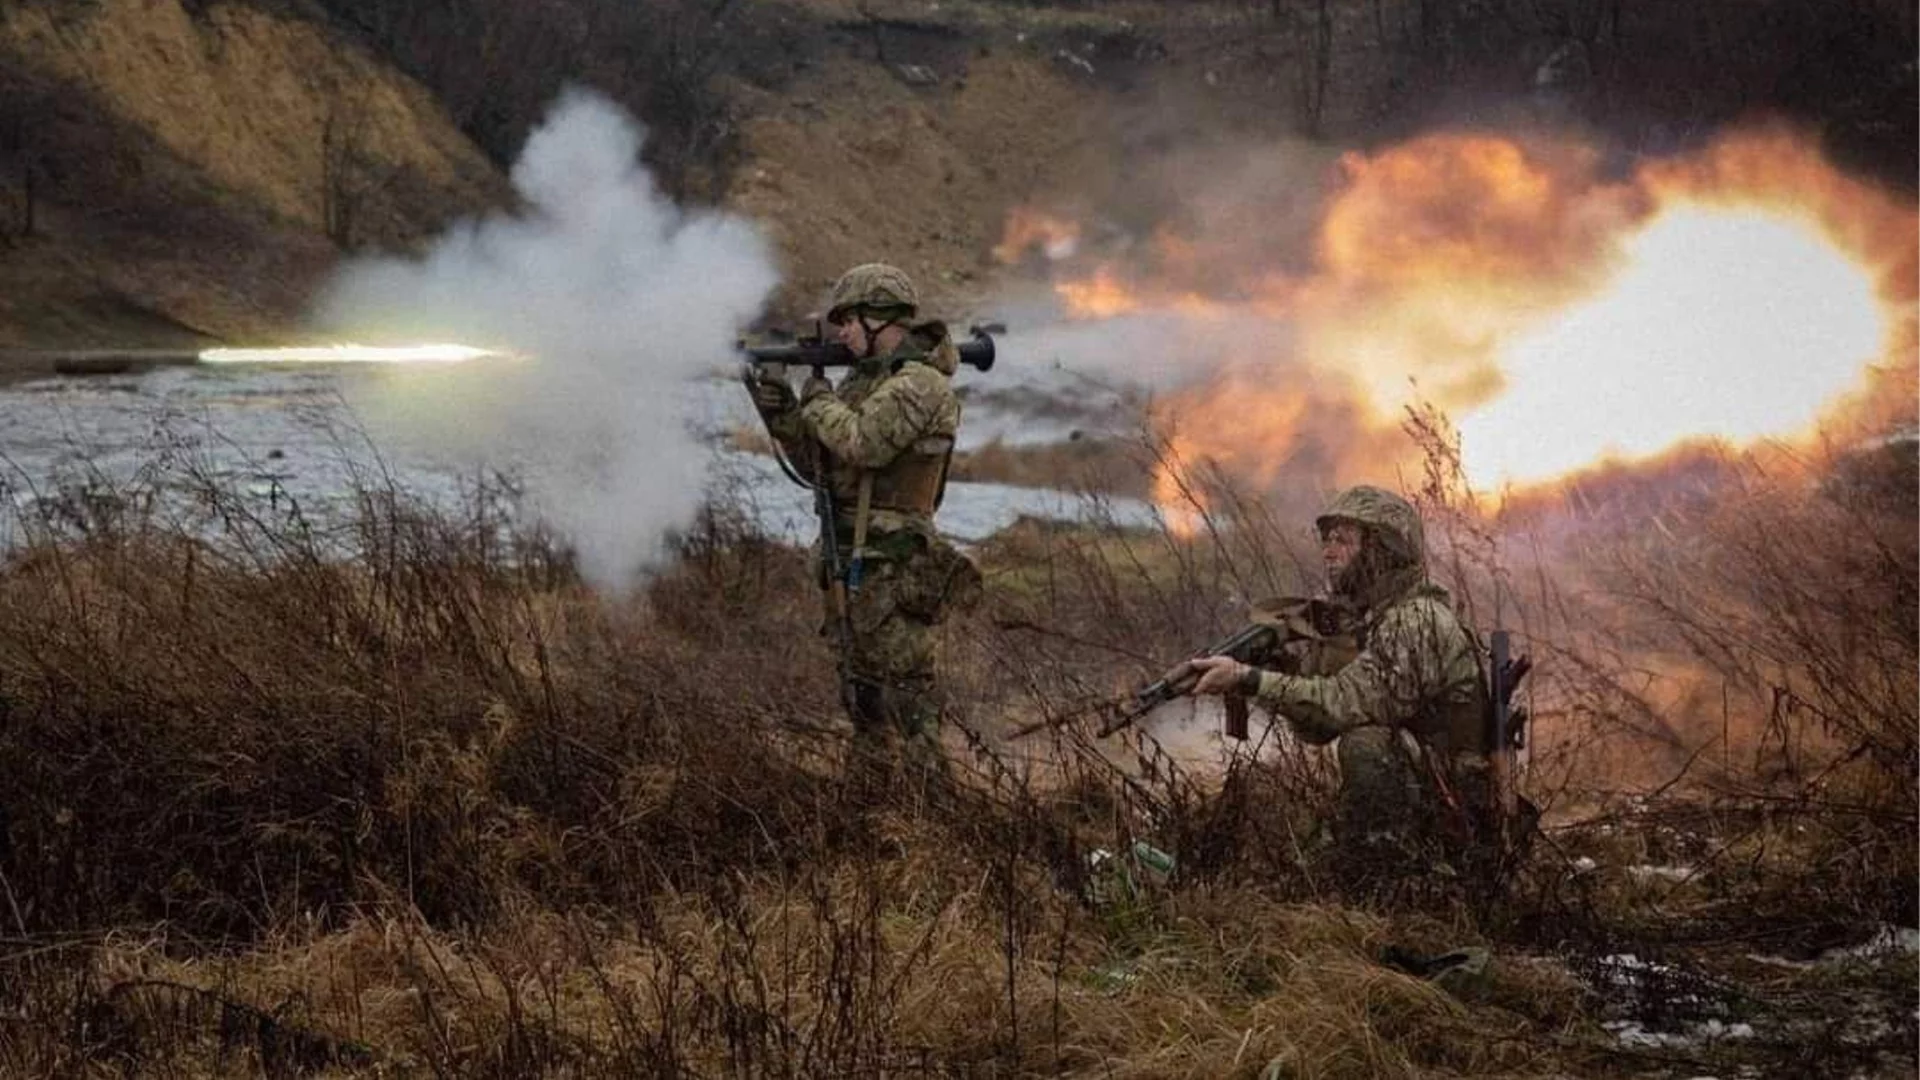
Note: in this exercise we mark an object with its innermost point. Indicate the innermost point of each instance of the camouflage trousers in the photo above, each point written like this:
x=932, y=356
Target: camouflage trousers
x=1395, y=792
x=1380, y=789
x=1410, y=818
x=896, y=693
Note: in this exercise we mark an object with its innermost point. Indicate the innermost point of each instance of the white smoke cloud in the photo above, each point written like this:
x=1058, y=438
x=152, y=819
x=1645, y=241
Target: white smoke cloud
x=1161, y=350
x=616, y=298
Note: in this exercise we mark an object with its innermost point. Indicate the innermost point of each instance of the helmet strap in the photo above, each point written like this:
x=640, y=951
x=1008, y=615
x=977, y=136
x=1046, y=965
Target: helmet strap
x=873, y=332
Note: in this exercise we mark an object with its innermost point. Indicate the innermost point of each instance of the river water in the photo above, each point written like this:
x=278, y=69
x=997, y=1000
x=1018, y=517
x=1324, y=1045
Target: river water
x=286, y=441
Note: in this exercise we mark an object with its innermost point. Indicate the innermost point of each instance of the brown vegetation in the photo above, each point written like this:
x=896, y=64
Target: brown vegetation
x=407, y=798
x=410, y=799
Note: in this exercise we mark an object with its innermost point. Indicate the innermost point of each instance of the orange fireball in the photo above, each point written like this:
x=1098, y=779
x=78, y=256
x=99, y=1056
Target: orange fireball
x=1564, y=316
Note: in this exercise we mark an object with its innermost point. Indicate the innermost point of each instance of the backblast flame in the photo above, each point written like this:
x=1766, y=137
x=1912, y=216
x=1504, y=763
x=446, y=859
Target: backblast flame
x=1563, y=315
x=1028, y=230
x=349, y=354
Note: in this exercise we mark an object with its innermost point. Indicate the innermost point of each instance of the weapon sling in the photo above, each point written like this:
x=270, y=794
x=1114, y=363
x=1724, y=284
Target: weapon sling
x=838, y=612
x=839, y=617
x=862, y=514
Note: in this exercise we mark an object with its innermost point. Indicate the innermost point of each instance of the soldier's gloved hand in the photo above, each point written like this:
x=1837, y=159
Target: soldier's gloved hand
x=1220, y=674
x=771, y=393
x=815, y=386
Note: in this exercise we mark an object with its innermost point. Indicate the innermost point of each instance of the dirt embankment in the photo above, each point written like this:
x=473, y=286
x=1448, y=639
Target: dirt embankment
x=177, y=170
x=917, y=126
x=174, y=170
x=855, y=165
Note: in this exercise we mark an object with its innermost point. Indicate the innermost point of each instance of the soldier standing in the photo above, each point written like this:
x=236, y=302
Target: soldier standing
x=1408, y=709
x=881, y=442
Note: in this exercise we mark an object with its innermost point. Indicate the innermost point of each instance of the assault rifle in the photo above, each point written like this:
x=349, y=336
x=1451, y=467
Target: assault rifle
x=1509, y=724
x=818, y=353
x=1275, y=623
x=1250, y=644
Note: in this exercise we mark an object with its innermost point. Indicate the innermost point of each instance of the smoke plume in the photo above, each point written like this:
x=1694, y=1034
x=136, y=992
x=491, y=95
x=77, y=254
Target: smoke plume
x=613, y=299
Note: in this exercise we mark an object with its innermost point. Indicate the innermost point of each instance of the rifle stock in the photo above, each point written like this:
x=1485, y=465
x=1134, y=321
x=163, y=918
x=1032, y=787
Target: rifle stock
x=1505, y=671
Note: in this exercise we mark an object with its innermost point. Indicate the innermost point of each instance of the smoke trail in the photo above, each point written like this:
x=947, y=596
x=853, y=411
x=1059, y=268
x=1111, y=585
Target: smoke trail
x=617, y=298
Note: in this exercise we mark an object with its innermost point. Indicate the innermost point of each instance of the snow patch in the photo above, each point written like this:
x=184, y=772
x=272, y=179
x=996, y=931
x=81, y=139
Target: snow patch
x=1633, y=1033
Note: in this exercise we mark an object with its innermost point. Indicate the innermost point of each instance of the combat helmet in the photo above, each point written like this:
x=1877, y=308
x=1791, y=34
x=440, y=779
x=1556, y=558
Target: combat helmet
x=878, y=286
x=1389, y=517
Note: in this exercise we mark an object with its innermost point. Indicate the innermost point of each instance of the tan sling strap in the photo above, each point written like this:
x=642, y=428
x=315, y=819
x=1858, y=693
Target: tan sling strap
x=862, y=515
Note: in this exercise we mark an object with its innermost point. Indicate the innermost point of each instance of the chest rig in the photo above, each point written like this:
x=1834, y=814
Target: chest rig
x=897, y=500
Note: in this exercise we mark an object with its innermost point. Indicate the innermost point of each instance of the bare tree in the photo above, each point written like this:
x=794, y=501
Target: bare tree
x=1316, y=75
x=1307, y=27
x=344, y=173
x=21, y=171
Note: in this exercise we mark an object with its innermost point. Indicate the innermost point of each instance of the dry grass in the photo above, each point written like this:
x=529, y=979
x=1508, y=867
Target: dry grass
x=410, y=800
x=813, y=983
x=1107, y=465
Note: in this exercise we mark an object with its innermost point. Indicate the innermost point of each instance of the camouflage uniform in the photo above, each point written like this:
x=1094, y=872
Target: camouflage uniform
x=1409, y=709
x=889, y=426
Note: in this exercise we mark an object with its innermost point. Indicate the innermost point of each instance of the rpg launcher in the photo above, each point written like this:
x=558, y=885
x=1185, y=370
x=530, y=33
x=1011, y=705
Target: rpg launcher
x=816, y=352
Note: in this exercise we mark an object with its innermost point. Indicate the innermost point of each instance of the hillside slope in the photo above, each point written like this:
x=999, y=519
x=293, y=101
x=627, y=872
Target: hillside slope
x=178, y=170
x=172, y=170
x=852, y=165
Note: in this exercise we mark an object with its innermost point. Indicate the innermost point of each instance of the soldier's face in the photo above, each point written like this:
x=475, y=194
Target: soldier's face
x=852, y=334
x=1339, y=546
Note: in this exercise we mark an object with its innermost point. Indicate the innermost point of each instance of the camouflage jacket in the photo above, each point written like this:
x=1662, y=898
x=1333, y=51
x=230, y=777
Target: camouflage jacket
x=892, y=416
x=1418, y=668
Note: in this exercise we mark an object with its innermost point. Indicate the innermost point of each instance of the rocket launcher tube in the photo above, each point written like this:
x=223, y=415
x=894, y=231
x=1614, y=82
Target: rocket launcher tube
x=976, y=352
